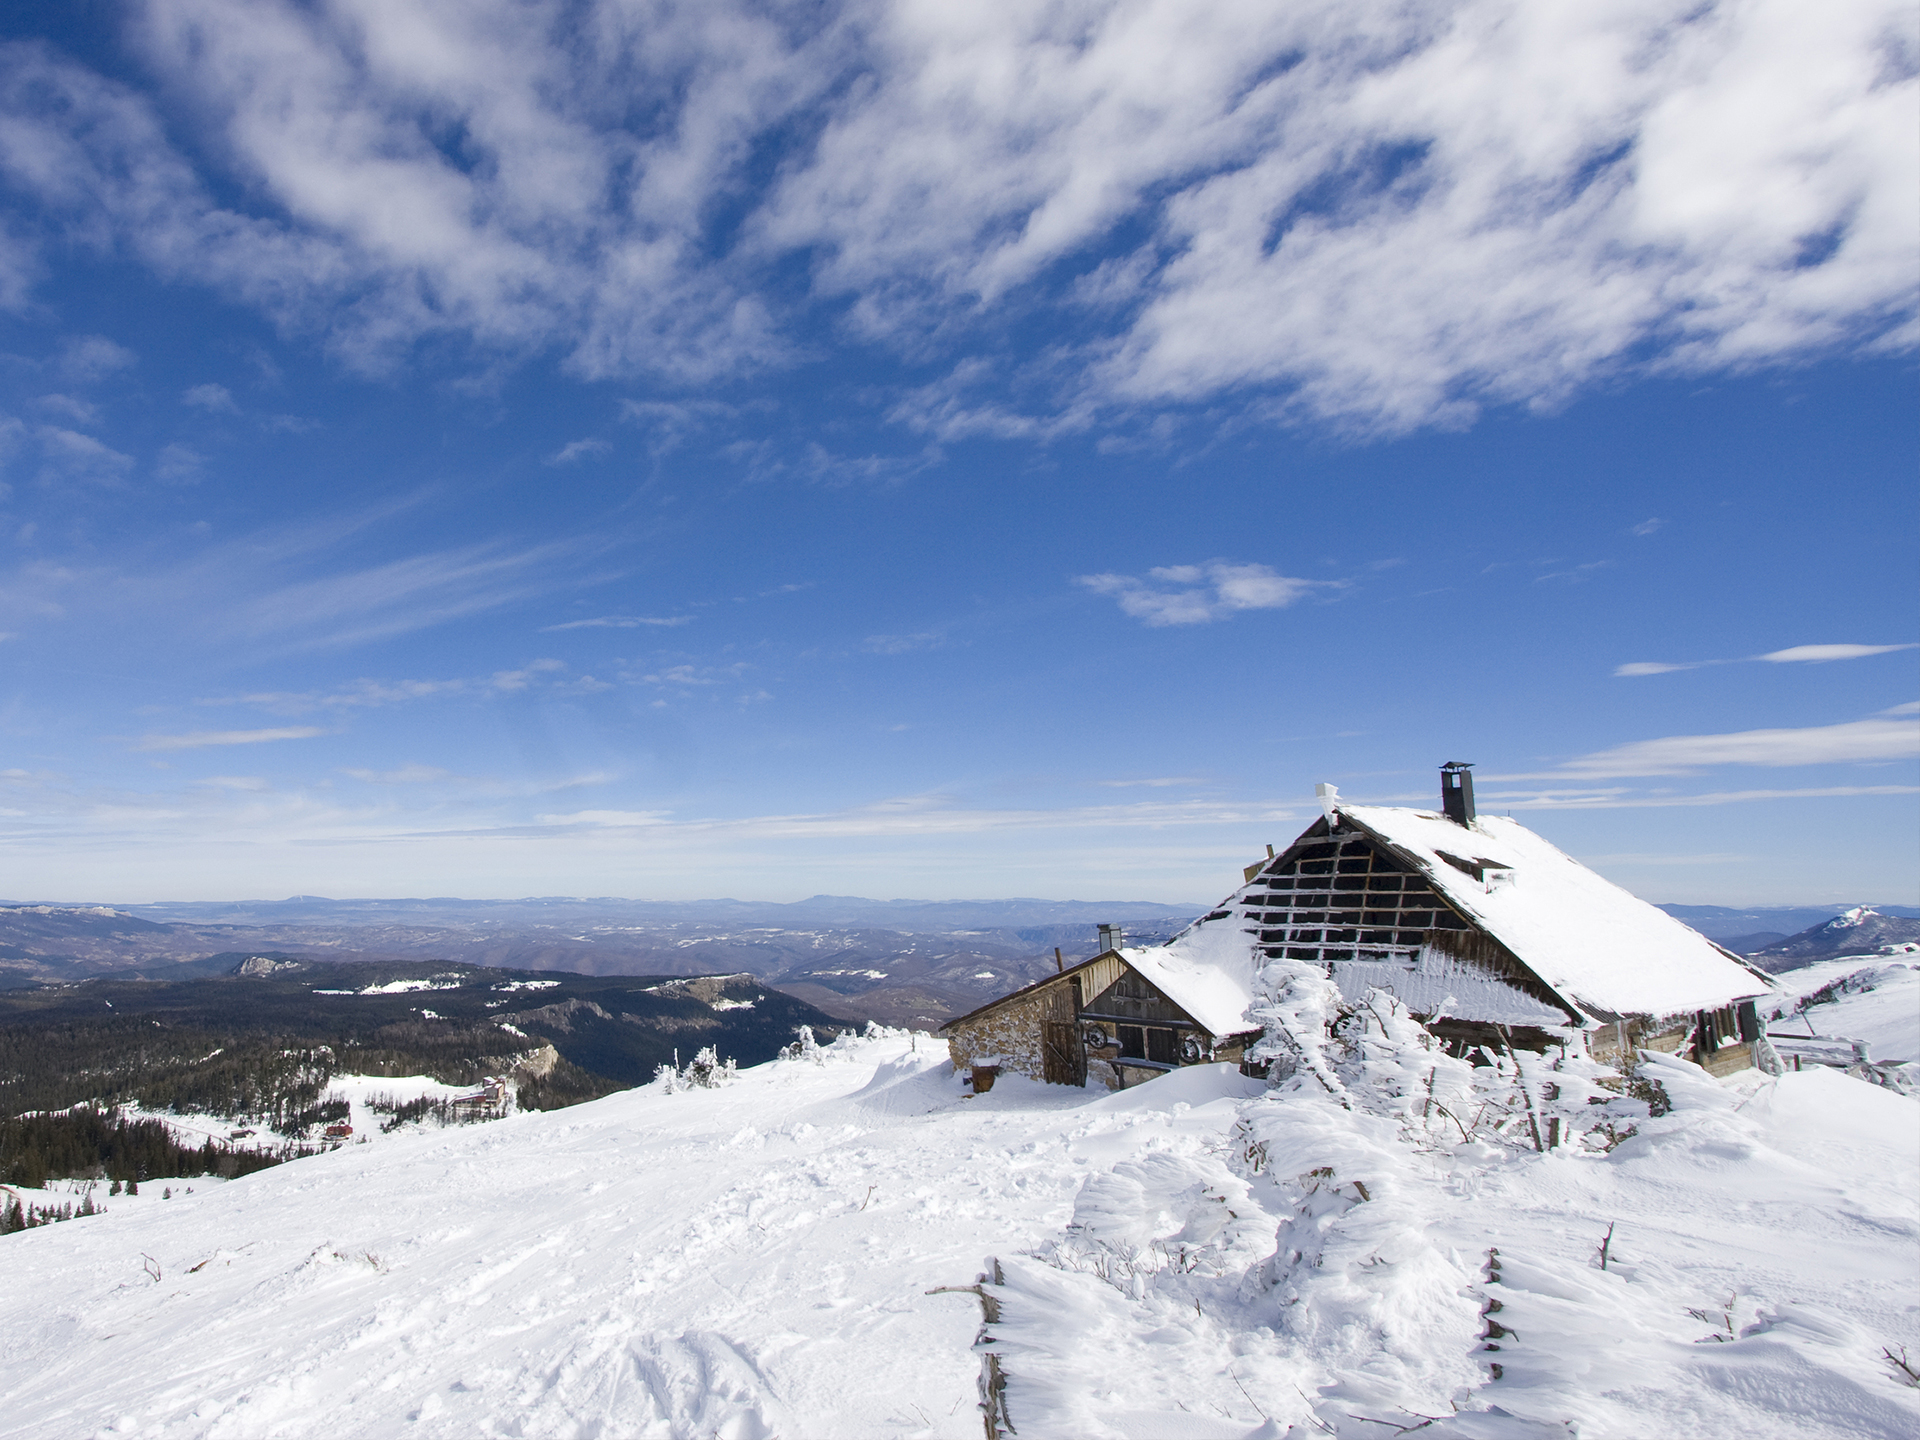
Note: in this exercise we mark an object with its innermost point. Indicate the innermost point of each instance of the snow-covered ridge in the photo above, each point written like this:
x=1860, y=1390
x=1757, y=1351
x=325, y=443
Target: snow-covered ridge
x=754, y=1260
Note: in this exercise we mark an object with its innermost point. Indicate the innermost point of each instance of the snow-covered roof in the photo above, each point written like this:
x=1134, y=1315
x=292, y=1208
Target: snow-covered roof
x=1590, y=941
x=1207, y=971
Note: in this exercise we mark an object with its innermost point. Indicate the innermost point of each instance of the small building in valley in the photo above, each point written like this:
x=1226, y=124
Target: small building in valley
x=1486, y=931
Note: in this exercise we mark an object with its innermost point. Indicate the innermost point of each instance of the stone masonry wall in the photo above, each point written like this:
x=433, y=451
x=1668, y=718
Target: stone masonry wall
x=1012, y=1036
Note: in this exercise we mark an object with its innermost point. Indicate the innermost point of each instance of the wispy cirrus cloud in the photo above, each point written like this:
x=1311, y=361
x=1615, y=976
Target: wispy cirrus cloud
x=619, y=622
x=201, y=739
x=1535, y=800
x=1792, y=655
x=1383, y=216
x=214, y=399
x=576, y=450
x=1881, y=738
x=1199, y=594
x=922, y=815
x=903, y=644
x=404, y=775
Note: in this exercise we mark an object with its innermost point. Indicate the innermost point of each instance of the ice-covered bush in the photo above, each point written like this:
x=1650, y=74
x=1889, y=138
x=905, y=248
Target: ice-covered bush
x=708, y=1071
x=804, y=1047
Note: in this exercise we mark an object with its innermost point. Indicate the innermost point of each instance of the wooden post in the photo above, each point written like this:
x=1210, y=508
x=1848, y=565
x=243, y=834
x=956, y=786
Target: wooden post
x=1059, y=963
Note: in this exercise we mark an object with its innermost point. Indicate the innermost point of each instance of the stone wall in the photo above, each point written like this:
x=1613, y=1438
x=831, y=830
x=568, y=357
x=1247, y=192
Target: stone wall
x=1011, y=1035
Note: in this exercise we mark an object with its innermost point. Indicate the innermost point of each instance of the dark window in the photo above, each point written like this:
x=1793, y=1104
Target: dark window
x=1161, y=1047
x=1377, y=937
x=1350, y=882
x=1133, y=1042
x=1317, y=867
x=1295, y=952
x=1358, y=865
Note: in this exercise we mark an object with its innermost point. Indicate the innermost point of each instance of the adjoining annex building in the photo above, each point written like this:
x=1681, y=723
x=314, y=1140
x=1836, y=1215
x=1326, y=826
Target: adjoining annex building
x=1488, y=933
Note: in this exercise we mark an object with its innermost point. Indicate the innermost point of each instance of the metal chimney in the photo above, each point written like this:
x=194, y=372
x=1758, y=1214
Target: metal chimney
x=1456, y=791
x=1109, y=938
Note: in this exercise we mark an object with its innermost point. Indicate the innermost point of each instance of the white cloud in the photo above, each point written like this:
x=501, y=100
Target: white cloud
x=1657, y=667
x=514, y=681
x=80, y=412
x=1648, y=527
x=1854, y=742
x=1390, y=213
x=1383, y=214
x=1688, y=802
x=179, y=465
x=619, y=622
x=214, y=399
x=88, y=358
x=1197, y=594
x=361, y=694
x=199, y=739
x=1817, y=654
x=405, y=775
x=578, y=450
x=902, y=644
x=68, y=456
x=1797, y=654
x=394, y=598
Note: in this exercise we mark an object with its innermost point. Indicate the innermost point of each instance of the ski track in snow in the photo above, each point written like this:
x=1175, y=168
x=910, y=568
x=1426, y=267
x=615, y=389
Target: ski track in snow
x=751, y=1262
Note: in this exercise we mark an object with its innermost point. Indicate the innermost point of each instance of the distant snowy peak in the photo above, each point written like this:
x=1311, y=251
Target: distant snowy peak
x=1861, y=930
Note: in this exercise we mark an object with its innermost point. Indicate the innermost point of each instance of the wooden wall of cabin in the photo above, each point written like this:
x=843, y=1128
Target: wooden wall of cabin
x=1728, y=1048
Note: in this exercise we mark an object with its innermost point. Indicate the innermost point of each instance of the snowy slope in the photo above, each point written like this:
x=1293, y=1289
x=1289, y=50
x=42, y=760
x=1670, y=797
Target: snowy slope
x=752, y=1261
x=1858, y=997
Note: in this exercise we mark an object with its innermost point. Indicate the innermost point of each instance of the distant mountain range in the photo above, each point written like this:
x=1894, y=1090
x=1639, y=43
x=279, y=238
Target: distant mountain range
x=1859, y=931
x=912, y=962
x=1746, y=931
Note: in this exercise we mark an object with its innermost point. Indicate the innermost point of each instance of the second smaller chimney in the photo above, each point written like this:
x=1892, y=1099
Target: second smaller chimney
x=1456, y=791
x=1109, y=938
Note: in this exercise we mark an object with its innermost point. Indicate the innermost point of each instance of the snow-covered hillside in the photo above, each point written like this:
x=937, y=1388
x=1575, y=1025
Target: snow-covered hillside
x=754, y=1261
x=1870, y=998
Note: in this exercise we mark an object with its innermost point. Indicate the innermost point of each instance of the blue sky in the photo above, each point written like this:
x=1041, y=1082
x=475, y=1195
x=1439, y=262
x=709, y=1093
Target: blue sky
x=950, y=450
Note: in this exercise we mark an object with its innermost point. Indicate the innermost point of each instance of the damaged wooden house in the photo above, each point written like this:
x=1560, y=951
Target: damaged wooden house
x=1487, y=932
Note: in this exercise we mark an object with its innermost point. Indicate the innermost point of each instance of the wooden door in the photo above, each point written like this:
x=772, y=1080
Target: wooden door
x=1065, y=1059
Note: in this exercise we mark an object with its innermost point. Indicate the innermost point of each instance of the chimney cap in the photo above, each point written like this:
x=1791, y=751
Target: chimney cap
x=1458, y=765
